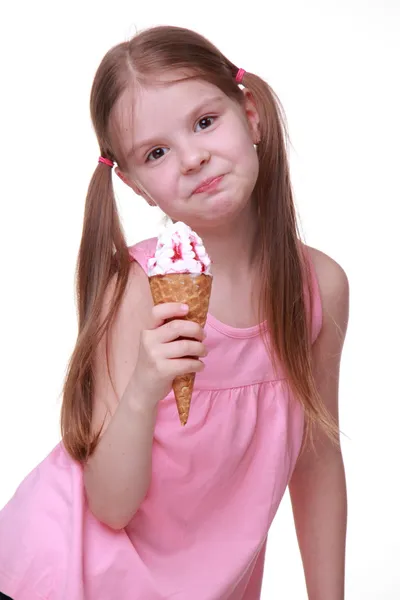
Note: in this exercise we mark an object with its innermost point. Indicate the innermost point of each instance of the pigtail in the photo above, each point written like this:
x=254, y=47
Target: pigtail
x=103, y=253
x=286, y=302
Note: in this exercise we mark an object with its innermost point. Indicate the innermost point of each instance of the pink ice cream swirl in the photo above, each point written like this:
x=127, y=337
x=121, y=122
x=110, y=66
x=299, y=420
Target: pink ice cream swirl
x=179, y=250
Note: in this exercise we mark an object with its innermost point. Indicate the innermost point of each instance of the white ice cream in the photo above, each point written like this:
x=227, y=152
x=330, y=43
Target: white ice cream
x=179, y=250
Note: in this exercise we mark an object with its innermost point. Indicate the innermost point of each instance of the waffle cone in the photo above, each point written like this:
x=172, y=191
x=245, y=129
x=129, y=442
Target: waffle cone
x=193, y=290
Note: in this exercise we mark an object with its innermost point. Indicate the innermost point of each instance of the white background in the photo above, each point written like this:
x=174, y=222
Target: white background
x=335, y=66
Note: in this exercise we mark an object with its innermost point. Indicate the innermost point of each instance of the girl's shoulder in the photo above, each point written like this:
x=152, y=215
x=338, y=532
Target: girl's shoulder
x=333, y=291
x=330, y=275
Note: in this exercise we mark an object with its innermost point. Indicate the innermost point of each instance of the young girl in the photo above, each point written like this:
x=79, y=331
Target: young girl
x=131, y=505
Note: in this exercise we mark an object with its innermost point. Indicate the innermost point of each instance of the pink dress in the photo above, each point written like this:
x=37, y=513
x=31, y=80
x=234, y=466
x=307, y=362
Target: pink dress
x=216, y=484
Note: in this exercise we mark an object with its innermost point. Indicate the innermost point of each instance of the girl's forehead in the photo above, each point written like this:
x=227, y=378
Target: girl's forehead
x=165, y=94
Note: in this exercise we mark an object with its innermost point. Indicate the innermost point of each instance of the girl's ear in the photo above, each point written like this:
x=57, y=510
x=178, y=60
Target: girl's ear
x=128, y=181
x=134, y=186
x=252, y=115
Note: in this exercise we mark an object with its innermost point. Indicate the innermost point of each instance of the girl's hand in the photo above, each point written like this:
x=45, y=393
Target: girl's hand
x=163, y=354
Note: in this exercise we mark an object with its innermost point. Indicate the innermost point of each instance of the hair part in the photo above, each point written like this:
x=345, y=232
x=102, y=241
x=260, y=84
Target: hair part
x=286, y=295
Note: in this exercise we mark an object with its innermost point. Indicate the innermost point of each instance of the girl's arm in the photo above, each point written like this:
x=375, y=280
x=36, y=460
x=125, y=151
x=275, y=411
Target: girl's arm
x=117, y=475
x=149, y=347
x=318, y=487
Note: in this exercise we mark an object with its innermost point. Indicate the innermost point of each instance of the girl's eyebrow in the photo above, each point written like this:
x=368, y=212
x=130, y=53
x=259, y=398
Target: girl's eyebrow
x=204, y=104
x=199, y=108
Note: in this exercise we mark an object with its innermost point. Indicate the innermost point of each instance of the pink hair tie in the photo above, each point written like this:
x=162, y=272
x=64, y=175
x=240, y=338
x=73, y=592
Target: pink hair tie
x=106, y=161
x=240, y=75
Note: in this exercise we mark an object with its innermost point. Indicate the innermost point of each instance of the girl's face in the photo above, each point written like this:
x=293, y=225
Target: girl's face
x=189, y=149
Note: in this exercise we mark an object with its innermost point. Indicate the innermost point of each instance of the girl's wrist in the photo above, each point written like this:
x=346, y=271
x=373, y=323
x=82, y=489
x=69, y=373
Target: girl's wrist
x=138, y=402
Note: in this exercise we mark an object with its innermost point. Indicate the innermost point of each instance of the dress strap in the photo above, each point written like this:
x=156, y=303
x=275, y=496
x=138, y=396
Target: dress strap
x=142, y=251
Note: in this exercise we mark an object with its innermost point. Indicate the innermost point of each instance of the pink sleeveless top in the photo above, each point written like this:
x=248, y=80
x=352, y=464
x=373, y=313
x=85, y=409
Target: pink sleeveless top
x=216, y=484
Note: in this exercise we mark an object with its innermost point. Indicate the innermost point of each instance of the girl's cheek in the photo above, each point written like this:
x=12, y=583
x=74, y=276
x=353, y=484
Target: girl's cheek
x=164, y=187
x=162, y=181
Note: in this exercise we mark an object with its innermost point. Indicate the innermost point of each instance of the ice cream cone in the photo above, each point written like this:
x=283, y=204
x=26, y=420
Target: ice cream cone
x=193, y=290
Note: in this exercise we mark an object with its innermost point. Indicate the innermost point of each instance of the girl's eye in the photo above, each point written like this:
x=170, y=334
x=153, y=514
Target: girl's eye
x=206, y=122
x=156, y=154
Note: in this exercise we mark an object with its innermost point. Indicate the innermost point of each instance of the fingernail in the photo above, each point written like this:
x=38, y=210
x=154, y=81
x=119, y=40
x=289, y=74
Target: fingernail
x=184, y=307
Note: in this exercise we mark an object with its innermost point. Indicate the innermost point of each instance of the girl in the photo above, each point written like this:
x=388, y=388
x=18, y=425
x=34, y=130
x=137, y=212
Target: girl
x=131, y=505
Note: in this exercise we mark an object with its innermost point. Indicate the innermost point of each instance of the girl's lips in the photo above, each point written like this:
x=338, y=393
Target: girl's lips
x=208, y=185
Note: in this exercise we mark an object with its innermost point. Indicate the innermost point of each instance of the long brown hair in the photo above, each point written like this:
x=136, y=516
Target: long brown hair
x=103, y=252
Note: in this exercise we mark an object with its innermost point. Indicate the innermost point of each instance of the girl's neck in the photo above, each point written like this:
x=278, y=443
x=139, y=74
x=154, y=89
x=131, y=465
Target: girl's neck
x=230, y=248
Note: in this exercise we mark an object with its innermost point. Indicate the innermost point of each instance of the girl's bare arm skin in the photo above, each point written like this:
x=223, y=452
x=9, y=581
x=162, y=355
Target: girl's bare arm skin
x=144, y=359
x=318, y=487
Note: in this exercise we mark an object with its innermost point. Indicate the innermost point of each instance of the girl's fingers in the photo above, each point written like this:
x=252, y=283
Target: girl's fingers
x=182, y=366
x=179, y=328
x=184, y=349
x=168, y=310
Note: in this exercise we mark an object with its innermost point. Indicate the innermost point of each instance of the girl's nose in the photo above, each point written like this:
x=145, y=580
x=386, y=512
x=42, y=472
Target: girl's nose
x=192, y=159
